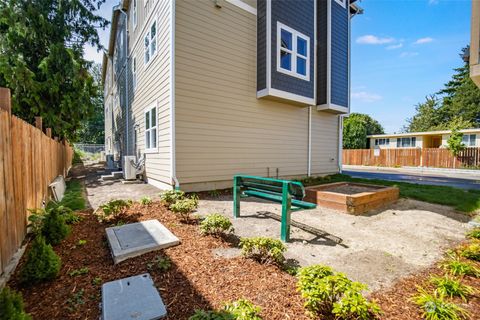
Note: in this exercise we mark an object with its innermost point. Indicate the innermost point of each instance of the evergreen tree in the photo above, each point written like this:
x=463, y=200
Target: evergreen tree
x=356, y=127
x=41, y=60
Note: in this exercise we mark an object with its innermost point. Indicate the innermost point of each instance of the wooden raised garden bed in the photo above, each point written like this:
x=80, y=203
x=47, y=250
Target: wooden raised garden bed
x=353, y=198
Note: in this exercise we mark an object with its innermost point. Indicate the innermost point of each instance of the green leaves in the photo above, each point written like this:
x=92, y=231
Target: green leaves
x=356, y=127
x=264, y=250
x=215, y=224
x=435, y=307
x=11, y=305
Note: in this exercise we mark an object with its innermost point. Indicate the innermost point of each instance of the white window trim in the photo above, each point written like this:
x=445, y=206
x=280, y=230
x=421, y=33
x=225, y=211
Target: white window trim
x=293, y=52
x=134, y=73
x=411, y=140
x=343, y=3
x=152, y=56
x=147, y=109
x=470, y=142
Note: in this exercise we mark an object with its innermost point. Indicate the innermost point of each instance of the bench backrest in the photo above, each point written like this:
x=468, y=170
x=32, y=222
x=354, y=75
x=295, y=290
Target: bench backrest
x=270, y=185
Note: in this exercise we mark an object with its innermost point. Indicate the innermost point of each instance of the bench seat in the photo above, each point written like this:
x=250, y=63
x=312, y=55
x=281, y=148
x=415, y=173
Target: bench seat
x=278, y=199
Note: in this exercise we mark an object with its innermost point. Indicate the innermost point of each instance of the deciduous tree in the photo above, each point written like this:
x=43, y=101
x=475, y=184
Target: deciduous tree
x=356, y=127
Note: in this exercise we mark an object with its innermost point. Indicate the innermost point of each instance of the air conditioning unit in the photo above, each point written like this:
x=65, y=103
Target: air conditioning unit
x=110, y=161
x=129, y=169
x=58, y=187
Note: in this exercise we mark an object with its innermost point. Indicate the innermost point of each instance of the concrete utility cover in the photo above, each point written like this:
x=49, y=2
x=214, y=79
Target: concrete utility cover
x=132, y=298
x=135, y=239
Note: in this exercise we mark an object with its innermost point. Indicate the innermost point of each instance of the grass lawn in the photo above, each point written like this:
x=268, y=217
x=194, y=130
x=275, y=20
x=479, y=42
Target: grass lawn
x=73, y=197
x=462, y=200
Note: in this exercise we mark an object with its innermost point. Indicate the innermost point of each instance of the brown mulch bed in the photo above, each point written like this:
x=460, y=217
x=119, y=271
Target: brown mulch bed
x=196, y=280
x=396, y=301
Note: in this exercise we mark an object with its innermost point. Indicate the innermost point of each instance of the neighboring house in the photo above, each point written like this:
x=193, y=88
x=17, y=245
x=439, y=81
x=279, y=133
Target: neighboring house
x=206, y=89
x=430, y=139
x=475, y=43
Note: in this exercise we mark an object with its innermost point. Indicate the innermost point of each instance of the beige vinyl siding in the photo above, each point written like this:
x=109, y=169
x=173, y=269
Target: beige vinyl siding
x=153, y=87
x=221, y=128
x=324, y=143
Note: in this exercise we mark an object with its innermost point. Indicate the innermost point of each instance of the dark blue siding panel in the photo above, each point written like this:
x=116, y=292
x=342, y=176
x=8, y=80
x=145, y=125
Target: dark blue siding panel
x=298, y=15
x=339, y=94
x=322, y=52
x=261, y=44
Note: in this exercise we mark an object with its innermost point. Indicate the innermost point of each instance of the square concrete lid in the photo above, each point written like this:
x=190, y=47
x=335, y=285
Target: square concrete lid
x=137, y=238
x=132, y=298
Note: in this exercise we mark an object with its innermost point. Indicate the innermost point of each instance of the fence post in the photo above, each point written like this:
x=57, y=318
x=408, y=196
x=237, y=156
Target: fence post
x=6, y=100
x=48, y=132
x=39, y=123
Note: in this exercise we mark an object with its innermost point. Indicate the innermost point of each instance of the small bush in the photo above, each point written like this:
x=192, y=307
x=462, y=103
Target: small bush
x=243, y=310
x=211, y=315
x=160, y=263
x=35, y=220
x=79, y=272
x=145, y=201
x=472, y=251
x=54, y=227
x=457, y=267
x=353, y=305
x=42, y=263
x=184, y=208
x=435, y=307
x=82, y=242
x=171, y=196
x=474, y=233
x=263, y=250
x=451, y=287
x=215, y=224
x=68, y=214
x=11, y=306
x=113, y=208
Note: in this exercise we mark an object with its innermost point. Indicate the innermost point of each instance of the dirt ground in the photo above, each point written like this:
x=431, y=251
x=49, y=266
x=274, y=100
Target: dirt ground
x=377, y=248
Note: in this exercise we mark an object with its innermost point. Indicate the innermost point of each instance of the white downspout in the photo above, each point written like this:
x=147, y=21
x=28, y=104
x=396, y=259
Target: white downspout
x=309, y=152
x=172, y=98
x=127, y=102
x=340, y=143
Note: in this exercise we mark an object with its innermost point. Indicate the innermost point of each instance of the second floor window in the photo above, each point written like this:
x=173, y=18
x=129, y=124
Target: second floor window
x=134, y=73
x=469, y=140
x=134, y=13
x=150, y=43
x=293, y=52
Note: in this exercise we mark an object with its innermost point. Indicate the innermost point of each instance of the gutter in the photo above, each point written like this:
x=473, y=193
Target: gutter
x=340, y=143
x=173, y=169
x=309, y=151
x=127, y=102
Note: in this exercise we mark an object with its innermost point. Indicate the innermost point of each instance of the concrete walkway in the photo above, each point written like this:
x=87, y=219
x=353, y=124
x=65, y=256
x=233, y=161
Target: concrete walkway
x=451, y=179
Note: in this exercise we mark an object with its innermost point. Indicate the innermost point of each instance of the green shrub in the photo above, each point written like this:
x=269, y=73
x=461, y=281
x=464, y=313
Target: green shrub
x=54, y=227
x=457, y=267
x=263, y=250
x=328, y=292
x=451, y=287
x=243, y=310
x=79, y=272
x=160, y=263
x=472, y=251
x=11, y=306
x=474, y=233
x=211, y=315
x=215, y=224
x=113, y=208
x=171, y=196
x=145, y=200
x=68, y=214
x=35, y=220
x=42, y=263
x=434, y=307
x=184, y=207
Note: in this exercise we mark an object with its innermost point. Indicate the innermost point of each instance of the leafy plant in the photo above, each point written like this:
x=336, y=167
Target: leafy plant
x=82, y=242
x=11, y=305
x=96, y=281
x=474, y=233
x=472, y=251
x=35, y=220
x=160, y=263
x=145, y=200
x=171, y=196
x=79, y=272
x=353, y=305
x=434, y=306
x=113, y=208
x=184, y=207
x=215, y=224
x=211, y=315
x=458, y=267
x=76, y=300
x=451, y=287
x=54, y=227
x=42, y=263
x=243, y=310
x=214, y=193
x=68, y=214
x=263, y=250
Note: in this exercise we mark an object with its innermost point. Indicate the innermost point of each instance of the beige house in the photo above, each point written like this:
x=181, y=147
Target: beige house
x=430, y=139
x=205, y=89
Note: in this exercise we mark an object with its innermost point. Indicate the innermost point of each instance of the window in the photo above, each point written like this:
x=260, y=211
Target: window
x=469, y=140
x=151, y=129
x=293, y=52
x=134, y=13
x=409, y=142
x=150, y=43
x=382, y=142
x=134, y=73
x=343, y=3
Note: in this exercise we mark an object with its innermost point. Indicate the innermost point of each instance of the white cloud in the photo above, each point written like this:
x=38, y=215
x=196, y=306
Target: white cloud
x=395, y=46
x=364, y=96
x=408, y=54
x=423, y=40
x=371, y=39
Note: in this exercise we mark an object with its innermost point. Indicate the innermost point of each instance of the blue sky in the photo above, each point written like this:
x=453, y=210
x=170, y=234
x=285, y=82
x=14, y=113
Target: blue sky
x=402, y=51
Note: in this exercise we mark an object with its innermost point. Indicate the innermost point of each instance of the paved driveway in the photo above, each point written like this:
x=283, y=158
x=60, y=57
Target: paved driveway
x=419, y=178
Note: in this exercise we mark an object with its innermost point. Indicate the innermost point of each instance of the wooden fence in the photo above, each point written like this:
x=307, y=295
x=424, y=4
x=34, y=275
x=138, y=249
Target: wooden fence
x=413, y=157
x=29, y=161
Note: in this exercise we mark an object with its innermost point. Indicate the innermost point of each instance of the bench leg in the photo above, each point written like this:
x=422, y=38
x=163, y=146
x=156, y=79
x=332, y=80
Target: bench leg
x=286, y=214
x=236, y=198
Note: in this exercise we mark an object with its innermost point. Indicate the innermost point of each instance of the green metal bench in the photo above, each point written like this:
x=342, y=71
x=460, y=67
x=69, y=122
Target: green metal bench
x=289, y=193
